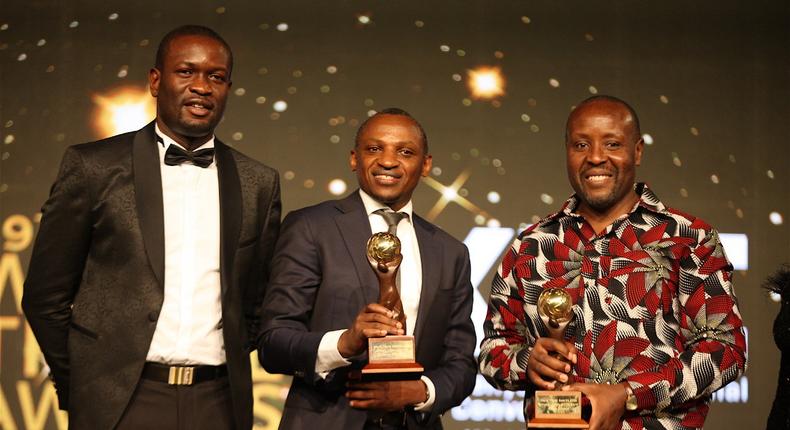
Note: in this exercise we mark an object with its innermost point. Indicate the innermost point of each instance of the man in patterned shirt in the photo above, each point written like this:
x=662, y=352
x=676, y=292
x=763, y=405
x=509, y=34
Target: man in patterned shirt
x=656, y=323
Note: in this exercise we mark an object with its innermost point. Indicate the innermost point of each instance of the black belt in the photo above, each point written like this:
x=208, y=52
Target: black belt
x=182, y=375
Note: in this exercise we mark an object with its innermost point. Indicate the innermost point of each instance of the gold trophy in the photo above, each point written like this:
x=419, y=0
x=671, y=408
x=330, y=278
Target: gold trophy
x=556, y=408
x=390, y=356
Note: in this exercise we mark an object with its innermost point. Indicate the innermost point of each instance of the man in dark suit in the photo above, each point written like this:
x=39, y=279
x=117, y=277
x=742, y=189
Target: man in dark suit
x=152, y=259
x=321, y=307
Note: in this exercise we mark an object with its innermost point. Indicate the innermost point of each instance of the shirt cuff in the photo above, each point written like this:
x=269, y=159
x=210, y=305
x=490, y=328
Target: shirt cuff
x=328, y=357
x=428, y=404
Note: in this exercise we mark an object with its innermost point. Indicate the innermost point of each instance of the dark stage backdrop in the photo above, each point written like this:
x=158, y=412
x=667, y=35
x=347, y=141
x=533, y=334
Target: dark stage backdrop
x=492, y=82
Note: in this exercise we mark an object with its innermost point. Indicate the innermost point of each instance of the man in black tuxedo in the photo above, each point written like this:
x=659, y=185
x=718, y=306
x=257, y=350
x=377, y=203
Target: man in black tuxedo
x=152, y=259
x=321, y=307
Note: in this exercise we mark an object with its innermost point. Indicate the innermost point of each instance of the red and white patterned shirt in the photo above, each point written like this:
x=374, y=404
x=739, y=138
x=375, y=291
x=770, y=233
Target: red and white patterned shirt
x=653, y=306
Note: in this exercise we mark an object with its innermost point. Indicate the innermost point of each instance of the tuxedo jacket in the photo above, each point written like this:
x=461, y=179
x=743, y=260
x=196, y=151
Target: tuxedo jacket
x=320, y=281
x=95, y=283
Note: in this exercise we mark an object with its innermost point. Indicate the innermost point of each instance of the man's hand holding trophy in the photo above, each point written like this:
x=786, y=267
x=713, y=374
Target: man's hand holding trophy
x=557, y=408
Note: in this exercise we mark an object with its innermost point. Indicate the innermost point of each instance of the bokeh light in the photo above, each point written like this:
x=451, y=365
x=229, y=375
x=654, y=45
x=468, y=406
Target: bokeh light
x=337, y=186
x=493, y=197
x=280, y=106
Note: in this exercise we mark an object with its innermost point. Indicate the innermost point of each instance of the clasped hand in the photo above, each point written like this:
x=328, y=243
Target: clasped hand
x=385, y=395
x=376, y=320
x=545, y=367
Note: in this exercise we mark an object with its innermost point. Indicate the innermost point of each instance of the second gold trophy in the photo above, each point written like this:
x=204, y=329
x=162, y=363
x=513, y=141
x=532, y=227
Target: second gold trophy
x=389, y=356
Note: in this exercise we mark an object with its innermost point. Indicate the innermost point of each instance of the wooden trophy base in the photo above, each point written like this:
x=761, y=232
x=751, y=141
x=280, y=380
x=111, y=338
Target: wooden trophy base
x=558, y=410
x=558, y=423
x=391, y=372
x=391, y=358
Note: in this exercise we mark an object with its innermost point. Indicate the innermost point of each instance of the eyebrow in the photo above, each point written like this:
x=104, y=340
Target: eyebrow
x=194, y=65
x=607, y=135
x=400, y=142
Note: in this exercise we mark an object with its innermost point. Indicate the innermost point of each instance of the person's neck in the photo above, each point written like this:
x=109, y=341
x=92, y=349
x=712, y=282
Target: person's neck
x=188, y=142
x=599, y=220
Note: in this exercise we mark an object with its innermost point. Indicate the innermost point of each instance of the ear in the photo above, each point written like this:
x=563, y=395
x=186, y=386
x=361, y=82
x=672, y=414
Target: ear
x=154, y=76
x=426, y=165
x=352, y=160
x=638, y=147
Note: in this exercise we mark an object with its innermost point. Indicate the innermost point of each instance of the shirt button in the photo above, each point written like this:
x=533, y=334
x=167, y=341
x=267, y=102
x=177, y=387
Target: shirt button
x=608, y=300
x=153, y=316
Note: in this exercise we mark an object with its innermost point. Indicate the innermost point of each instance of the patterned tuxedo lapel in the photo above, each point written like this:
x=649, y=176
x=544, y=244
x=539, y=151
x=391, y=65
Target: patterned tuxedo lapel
x=230, y=210
x=148, y=196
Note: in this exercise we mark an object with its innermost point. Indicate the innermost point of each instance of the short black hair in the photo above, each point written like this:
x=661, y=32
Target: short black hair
x=190, y=30
x=611, y=99
x=398, y=112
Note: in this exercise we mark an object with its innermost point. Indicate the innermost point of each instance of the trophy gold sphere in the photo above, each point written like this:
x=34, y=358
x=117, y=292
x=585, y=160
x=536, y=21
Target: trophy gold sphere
x=383, y=247
x=556, y=304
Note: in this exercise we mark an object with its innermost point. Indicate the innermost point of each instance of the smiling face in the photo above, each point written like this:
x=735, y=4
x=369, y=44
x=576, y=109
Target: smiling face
x=603, y=149
x=191, y=89
x=389, y=159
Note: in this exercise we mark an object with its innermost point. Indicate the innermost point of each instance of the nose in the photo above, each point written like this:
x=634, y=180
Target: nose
x=388, y=159
x=597, y=155
x=200, y=84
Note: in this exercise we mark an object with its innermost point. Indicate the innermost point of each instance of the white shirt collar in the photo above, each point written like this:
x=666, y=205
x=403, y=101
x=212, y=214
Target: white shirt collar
x=372, y=205
x=167, y=141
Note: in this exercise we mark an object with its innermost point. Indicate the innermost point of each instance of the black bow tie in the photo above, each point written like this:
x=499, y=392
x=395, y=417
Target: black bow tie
x=176, y=155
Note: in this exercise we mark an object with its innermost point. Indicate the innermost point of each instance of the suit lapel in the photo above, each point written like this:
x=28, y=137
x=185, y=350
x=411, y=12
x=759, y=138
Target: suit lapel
x=148, y=197
x=355, y=230
x=229, y=210
x=430, y=255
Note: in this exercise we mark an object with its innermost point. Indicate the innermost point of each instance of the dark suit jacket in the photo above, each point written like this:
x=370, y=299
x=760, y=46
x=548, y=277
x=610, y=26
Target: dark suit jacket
x=779, y=418
x=321, y=280
x=95, y=283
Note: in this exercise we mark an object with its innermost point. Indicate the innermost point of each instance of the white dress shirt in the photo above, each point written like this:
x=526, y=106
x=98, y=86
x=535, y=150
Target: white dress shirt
x=189, y=329
x=410, y=271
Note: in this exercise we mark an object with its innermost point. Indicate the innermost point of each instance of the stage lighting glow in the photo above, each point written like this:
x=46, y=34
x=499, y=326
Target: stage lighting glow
x=486, y=82
x=450, y=194
x=122, y=110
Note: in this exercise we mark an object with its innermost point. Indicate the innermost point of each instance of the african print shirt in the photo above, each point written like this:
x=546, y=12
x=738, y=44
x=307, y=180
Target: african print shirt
x=653, y=306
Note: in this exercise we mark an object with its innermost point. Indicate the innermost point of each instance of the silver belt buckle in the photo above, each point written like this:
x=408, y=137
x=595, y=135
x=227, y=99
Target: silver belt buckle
x=180, y=375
